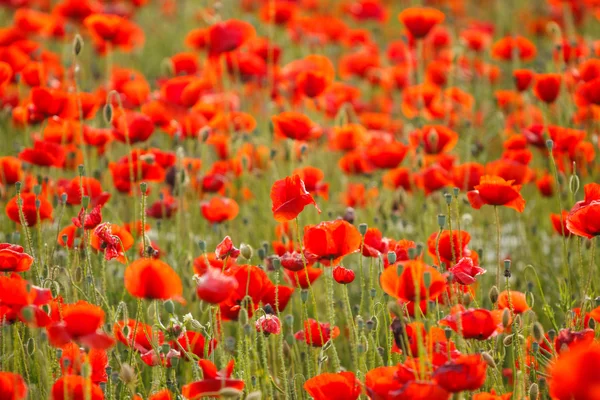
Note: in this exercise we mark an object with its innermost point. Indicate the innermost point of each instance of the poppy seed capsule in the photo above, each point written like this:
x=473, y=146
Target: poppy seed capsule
x=441, y=218
x=391, y=256
x=362, y=228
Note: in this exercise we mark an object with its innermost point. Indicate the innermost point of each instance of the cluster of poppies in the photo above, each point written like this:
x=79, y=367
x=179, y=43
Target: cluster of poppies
x=415, y=161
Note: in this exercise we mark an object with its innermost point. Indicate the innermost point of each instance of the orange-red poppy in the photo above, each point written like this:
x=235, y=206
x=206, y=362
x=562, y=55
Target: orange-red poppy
x=213, y=381
x=523, y=79
x=505, y=48
x=13, y=258
x=495, y=191
x=113, y=240
x=73, y=358
x=317, y=333
x=109, y=30
x=547, y=87
x=472, y=323
x=293, y=125
x=79, y=322
x=582, y=220
x=405, y=281
x=29, y=208
x=572, y=374
x=420, y=20
x=76, y=387
x=219, y=209
x=329, y=241
x=466, y=372
x=153, y=280
x=215, y=287
x=328, y=386
x=12, y=386
x=559, y=223
x=289, y=197
x=227, y=36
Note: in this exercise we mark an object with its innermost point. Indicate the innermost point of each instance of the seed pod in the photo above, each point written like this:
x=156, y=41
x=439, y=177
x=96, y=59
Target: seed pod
x=362, y=228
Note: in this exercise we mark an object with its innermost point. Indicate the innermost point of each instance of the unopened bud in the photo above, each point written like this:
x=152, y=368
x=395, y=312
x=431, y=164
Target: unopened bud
x=77, y=44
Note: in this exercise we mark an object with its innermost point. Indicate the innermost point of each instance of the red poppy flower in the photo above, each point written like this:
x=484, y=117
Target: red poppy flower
x=398, y=178
x=313, y=181
x=466, y=176
x=75, y=387
x=402, y=284
x=317, y=333
x=523, y=79
x=44, y=154
x=517, y=301
x=13, y=258
x=329, y=241
x=387, y=155
x=20, y=301
x=547, y=87
x=420, y=20
x=219, y=209
x=400, y=382
x=589, y=92
x=12, y=386
x=10, y=170
x=400, y=248
x=226, y=249
x=80, y=322
x=73, y=358
x=495, y=191
x=466, y=372
x=343, y=275
x=213, y=381
x=293, y=125
x=465, y=271
x=111, y=30
x=582, y=220
x=153, y=279
x=227, y=36
x=573, y=374
x=196, y=343
x=504, y=48
x=91, y=188
x=277, y=296
x=328, y=386
x=124, y=332
x=559, y=223
x=474, y=323
x=450, y=247
x=30, y=210
x=113, y=240
x=302, y=278
x=215, y=287
x=373, y=243
x=132, y=127
x=87, y=220
x=289, y=197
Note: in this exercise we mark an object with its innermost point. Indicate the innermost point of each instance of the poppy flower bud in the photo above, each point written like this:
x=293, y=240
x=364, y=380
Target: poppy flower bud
x=534, y=391
x=441, y=220
x=538, y=332
x=574, y=184
x=362, y=228
x=166, y=67
x=243, y=316
x=169, y=306
x=508, y=340
x=127, y=374
x=108, y=113
x=592, y=323
x=256, y=395
x=505, y=317
x=489, y=360
x=28, y=314
x=373, y=293
x=391, y=256
x=77, y=44
x=246, y=251
x=230, y=393
x=165, y=348
x=144, y=188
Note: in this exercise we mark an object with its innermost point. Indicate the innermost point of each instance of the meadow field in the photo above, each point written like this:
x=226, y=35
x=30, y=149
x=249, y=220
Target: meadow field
x=299, y=199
